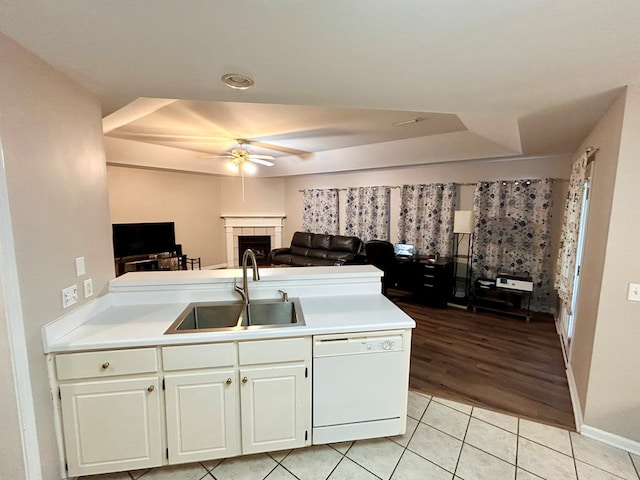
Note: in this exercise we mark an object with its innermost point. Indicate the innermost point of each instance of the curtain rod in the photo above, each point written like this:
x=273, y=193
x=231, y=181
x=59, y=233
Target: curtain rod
x=462, y=184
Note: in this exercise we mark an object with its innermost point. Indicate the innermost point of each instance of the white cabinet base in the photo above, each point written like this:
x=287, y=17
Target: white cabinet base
x=359, y=431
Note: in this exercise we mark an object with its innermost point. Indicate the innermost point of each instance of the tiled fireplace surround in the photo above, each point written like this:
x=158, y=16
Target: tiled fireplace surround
x=238, y=225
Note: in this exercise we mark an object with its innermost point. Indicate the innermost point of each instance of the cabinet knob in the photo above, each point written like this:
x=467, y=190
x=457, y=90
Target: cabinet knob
x=245, y=379
x=151, y=388
x=105, y=365
x=228, y=381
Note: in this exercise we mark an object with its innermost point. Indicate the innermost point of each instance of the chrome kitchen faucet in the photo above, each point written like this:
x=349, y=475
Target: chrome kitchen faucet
x=244, y=290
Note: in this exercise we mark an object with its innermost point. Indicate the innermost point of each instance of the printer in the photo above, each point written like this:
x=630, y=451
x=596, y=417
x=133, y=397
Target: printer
x=514, y=282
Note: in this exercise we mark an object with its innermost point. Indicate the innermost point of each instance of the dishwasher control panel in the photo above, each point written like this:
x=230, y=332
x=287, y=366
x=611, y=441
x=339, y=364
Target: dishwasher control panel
x=356, y=344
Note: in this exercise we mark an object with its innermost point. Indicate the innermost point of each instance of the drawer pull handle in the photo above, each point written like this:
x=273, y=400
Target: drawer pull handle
x=228, y=382
x=105, y=365
x=245, y=379
x=151, y=388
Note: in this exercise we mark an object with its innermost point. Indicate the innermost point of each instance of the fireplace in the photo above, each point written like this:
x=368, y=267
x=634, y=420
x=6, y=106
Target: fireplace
x=260, y=244
x=236, y=226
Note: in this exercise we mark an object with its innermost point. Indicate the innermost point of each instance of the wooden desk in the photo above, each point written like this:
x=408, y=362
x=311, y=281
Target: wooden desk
x=430, y=282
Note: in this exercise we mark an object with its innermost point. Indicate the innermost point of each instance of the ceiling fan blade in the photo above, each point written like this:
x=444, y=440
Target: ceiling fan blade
x=280, y=148
x=260, y=161
x=167, y=137
x=216, y=156
x=262, y=157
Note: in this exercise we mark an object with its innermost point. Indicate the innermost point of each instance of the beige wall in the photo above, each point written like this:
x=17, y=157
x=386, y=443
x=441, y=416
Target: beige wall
x=261, y=196
x=459, y=172
x=606, y=137
x=193, y=201
x=56, y=178
x=613, y=397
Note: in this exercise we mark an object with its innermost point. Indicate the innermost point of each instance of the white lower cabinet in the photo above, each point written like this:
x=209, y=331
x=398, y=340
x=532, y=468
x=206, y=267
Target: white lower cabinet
x=220, y=400
x=112, y=425
x=110, y=402
x=275, y=408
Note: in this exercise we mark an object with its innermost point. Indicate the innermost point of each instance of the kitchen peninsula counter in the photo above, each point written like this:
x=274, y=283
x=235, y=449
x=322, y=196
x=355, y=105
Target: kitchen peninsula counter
x=141, y=306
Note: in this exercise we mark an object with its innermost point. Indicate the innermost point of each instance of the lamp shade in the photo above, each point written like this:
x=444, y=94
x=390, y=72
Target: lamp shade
x=463, y=221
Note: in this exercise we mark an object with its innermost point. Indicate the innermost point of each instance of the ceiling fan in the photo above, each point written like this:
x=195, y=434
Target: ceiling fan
x=238, y=158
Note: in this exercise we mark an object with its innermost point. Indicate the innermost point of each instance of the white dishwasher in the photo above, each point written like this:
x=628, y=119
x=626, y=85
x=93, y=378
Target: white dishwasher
x=360, y=385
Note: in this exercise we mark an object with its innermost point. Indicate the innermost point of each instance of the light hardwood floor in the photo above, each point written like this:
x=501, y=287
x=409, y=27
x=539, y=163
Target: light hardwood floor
x=499, y=363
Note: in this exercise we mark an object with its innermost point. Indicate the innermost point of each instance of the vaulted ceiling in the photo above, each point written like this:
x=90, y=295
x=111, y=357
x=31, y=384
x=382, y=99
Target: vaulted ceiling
x=480, y=79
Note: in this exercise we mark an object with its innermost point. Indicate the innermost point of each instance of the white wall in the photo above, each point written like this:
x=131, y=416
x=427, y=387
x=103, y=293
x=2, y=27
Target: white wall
x=51, y=134
x=261, y=196
x=606, y=137
x=12, y=464
x=613, y=395
x=193, y=201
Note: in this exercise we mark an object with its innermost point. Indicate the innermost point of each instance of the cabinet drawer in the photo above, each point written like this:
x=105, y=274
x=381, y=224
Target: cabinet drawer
x=108, y=363
x=273, y=351
x=186, y=357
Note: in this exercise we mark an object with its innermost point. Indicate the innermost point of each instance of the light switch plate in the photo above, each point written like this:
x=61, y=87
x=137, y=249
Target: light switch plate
x=88, y=288
x=80, y=269
x=69, y=296
x=634, y=292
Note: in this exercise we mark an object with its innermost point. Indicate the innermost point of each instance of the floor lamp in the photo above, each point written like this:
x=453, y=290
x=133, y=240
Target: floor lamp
x=463, y=224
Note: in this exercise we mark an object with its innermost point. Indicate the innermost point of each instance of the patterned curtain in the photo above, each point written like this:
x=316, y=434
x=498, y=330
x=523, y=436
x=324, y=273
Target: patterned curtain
x=512, y=234
x=321, y=212
x=426, y=217
x=368, y=213
x=566, y=263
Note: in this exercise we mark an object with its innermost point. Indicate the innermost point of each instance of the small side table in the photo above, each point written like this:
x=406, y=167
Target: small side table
x=501, y=300
x=191, y=262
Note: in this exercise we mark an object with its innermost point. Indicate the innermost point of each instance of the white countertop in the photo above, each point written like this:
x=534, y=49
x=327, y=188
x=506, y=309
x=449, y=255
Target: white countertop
x=357, y=308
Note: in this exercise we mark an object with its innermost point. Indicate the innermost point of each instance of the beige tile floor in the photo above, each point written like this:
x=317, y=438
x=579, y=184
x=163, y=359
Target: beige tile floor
x=444, y=440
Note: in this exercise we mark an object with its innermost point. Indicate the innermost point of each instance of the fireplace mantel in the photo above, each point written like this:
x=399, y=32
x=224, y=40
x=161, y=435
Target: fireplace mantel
x=233, y=223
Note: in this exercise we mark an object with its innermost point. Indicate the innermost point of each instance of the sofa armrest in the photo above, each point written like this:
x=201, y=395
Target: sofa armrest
x=278, y=251
x=359, y=259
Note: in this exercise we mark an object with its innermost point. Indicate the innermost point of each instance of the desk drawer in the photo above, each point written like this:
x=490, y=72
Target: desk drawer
x=108, y=363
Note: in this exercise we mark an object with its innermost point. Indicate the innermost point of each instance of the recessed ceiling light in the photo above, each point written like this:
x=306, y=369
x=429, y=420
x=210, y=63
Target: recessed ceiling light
x=237, y=81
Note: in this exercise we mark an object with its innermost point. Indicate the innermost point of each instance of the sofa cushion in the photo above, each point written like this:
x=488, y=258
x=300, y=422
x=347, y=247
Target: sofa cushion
x=321, y=241
x=345, y=244
x=302, y=239
x=317, y=253
x=299, y=250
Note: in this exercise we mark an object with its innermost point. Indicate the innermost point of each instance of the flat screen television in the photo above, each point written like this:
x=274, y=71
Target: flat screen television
x=131, y=239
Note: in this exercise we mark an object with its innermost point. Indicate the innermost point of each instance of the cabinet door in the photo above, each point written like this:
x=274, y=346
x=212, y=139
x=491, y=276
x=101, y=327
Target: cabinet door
x=276, y=407
x=111, y=425
x=202, y=418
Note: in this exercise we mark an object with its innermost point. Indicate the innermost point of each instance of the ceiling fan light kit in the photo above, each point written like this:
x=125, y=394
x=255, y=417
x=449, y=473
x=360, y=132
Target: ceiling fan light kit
x=237, y=81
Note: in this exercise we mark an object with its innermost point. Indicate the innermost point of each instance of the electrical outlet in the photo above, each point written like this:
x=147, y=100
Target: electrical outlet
x=88, y=288
x=69, y=296
x=634, y=292
x=80, y=270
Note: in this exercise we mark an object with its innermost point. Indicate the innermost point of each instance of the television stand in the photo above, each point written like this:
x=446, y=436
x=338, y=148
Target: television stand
x=172, y=260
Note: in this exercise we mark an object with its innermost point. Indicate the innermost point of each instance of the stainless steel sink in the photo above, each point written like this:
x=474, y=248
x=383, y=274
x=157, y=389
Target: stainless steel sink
x=280, y=313
x=229, y=316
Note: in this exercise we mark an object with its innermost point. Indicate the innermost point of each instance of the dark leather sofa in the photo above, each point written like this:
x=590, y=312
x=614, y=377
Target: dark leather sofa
x=314, y=249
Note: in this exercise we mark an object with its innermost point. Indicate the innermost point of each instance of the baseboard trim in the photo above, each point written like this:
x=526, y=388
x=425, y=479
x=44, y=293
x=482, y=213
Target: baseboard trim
x=611, y=439
x=215, y=267
x=575, y=400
